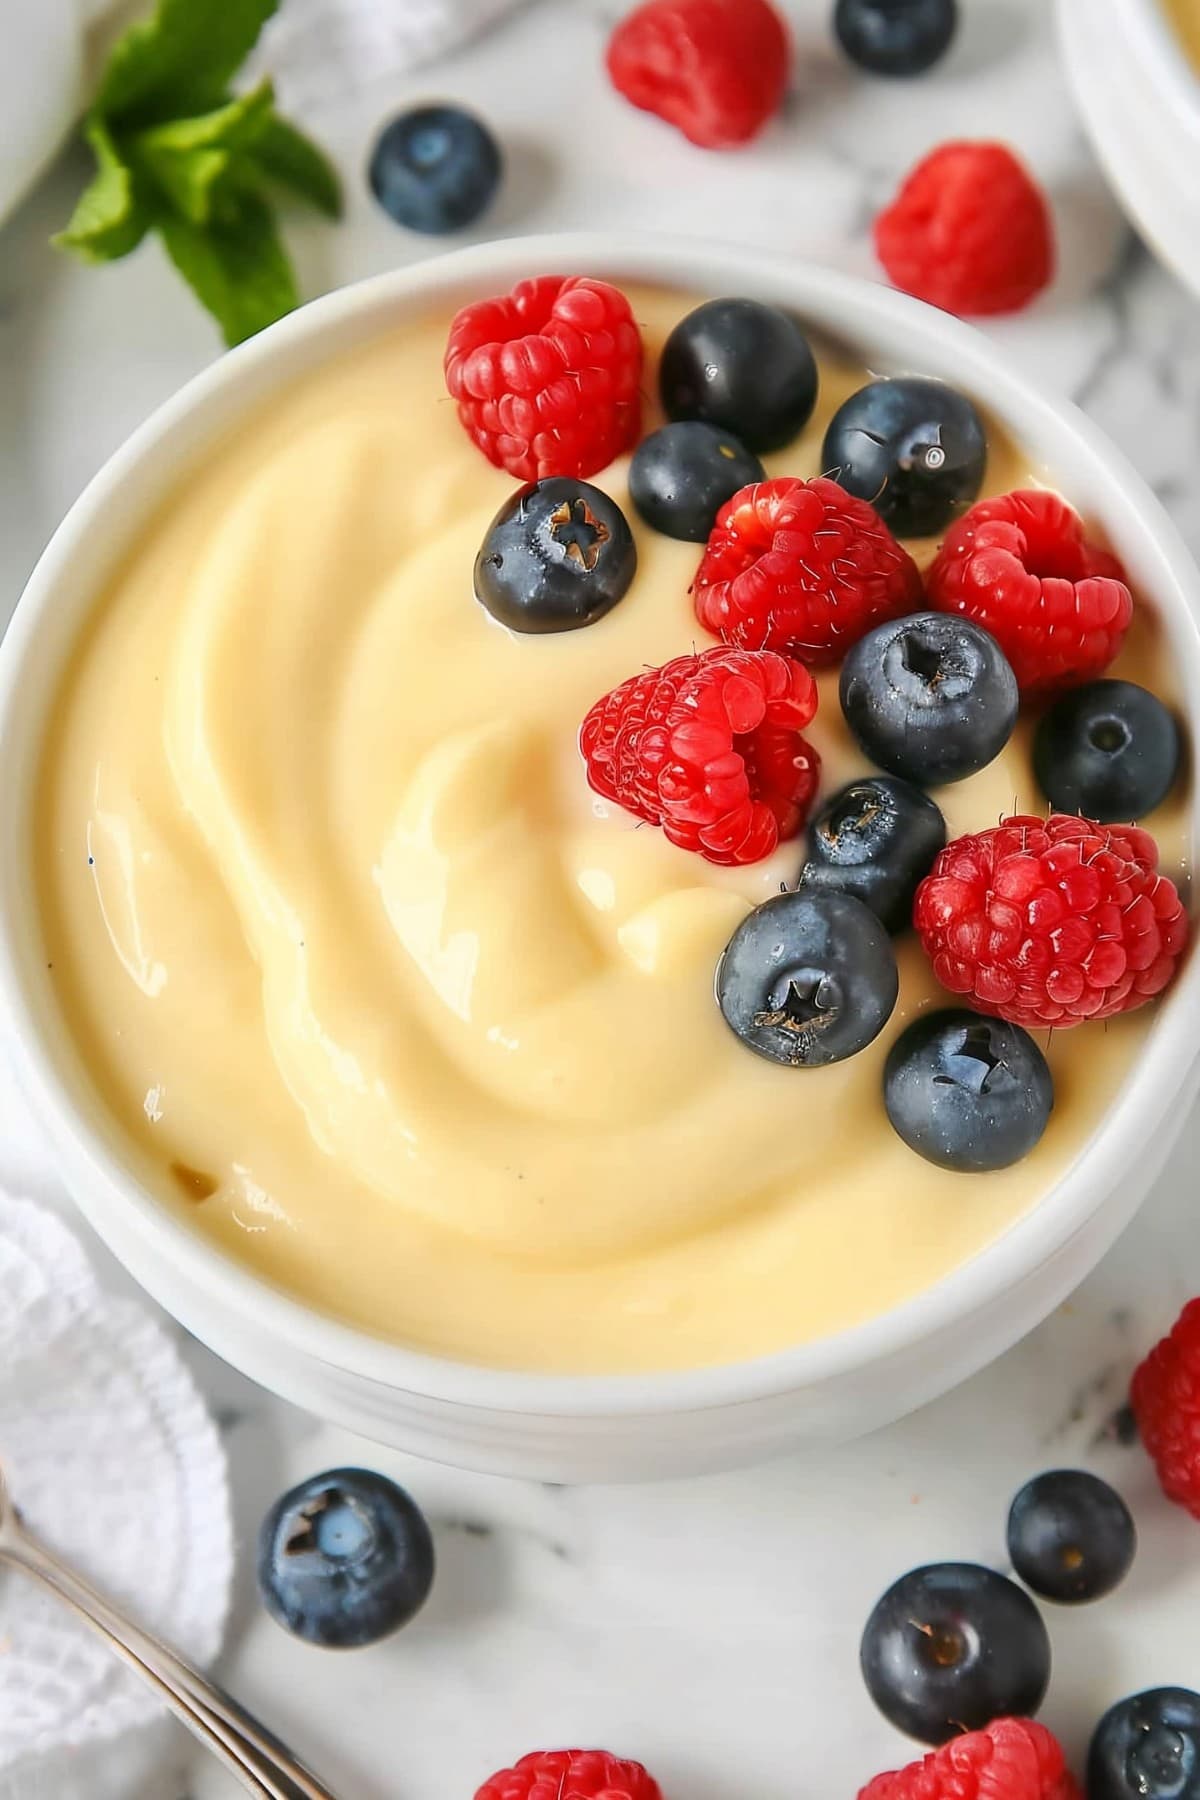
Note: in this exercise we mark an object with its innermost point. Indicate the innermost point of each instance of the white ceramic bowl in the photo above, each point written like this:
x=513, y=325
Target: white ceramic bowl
x=1140, y=101
x=572, y=1428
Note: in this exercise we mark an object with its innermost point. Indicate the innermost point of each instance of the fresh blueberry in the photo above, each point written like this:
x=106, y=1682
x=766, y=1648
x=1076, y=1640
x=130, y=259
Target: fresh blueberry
x=915, y=449
x=1109, y=750
x=808, y=979
x=876, y=839
x=435, y=169
x=344, y=1559
x=967, y=1092
x=682, y=475
x=930, y=698
x=744, y=367
x=951, y=1647
x=1147, y=1748
x=895, y=37
x=558, y=554
x=1071, y=1537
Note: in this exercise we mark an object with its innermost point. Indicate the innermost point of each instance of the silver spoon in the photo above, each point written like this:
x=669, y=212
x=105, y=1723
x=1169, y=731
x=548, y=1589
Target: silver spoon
x=265, y=1767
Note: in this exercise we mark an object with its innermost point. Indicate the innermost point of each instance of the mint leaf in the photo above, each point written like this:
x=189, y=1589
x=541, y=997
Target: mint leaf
x=188, y=160
x=181, y=59
x=293, y=160
x=236, y=265
x=110, y=218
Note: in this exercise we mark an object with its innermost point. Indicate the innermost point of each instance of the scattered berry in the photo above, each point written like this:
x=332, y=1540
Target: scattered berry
x=571, y=1775
x=1010, y=1759
x=709, y=747
x=1147, y=1748
x=1109, y=750
x=929, y=698
x=682, y=475
x=916, y=449
x=1020, y=565
x=952, y=1647
x=1047, y=922
x=895, y=37
x=435, y=169
x=801, y=567
x=808, y=979
x=716, y=69
x=876, y=839
x=969, y=231
x=1166, y=1404
x=742, y=366
x=967, y=1093
x=558, y=554
x=547, y=378
x=1071, y=1537
x=344, y=1559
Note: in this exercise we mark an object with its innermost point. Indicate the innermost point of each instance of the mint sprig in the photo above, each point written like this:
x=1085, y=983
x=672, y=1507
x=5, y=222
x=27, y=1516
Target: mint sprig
x=180, y=154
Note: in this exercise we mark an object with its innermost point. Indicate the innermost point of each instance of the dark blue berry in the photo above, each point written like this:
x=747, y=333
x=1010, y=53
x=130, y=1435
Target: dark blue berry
x=558, y=554
x=744, y=367
x=682, y=475
x=876, y=839
x=808, y=979
x=895, y=37
x=344, y=1559
x=1109, y=750
x=966, y=1092
x=1071, y=1537
x=435, y=169
x=930, y=698
x=1147, y=1748
x=951, y=1647
x=915, y=449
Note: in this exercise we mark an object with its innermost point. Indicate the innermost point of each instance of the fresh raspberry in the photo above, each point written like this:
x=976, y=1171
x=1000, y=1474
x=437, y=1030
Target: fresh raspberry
x=1166, y=1404
x=1020, y=566
x=547, y=377
x=571, y=1775
x=1010, y=1759
x=804, y=568
x=1051, y=921
x=715, y=68
x=969, y=231
x=709, y=747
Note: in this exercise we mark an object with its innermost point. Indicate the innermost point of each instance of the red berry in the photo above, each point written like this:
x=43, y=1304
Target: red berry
x=1166, y=1403
x=1010, y=1759
x=1020, y=566
x=709, y=747
x=571, y=1775
x=969, y=231
x=1051, y=921
x=715, y=68
x=804, y=568
x=547, y=378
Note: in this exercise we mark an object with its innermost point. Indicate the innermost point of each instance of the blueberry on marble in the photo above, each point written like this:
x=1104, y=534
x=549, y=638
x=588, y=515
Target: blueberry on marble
x=344, y=1559
x=435, y=169
x=876, y=839
x=895, y=37
x=744, y=367
x=967, y=1092
x=559, y=554
x=682, y=475
x=1109, y=750
x=808, y=979
x=915, y=449
x=931, y=698
x=1147, y=1748
x=1071, y=1537
x=952, y=1646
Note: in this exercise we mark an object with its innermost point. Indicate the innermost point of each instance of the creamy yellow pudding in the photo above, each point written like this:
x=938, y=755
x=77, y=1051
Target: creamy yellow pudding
x=387, y=1003
x=1185, y=18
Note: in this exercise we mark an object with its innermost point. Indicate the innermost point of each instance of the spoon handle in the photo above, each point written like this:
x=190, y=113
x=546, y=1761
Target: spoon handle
x=265, y=1767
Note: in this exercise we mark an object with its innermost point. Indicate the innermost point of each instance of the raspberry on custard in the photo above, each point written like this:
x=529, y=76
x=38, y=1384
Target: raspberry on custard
x=710, y=748
x=804, y=568
x=716, y=69
x=1165, y=1396
x=571, y=1775
x=547, y=378
x=1010, y=1759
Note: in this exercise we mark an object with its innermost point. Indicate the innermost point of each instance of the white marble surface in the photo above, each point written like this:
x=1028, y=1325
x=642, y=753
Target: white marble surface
x=709, y=1627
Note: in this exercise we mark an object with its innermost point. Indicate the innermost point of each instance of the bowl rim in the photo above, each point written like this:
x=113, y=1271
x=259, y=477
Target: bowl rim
x=841, y=304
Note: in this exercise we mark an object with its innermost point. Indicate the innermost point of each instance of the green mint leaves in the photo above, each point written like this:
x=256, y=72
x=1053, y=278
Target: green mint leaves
x=176, y=152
